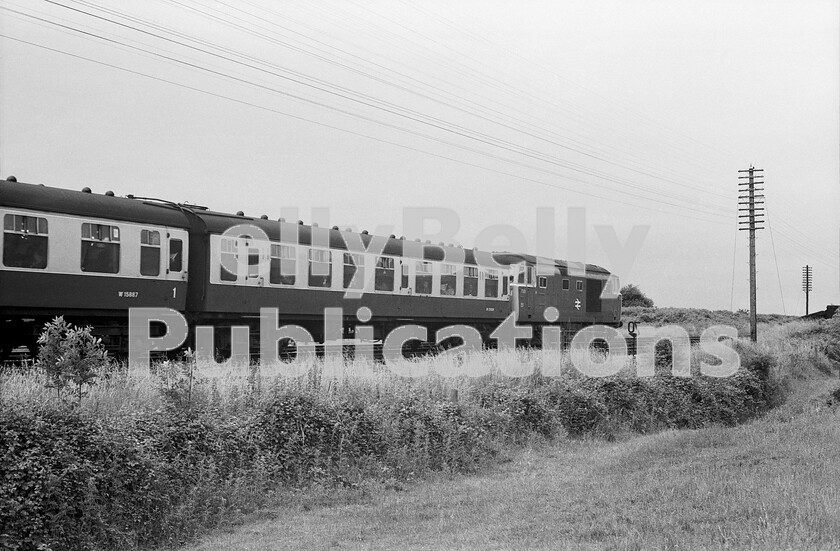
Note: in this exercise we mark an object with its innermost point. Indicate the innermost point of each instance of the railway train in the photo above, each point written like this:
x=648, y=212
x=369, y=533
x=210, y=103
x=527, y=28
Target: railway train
x=91, y=257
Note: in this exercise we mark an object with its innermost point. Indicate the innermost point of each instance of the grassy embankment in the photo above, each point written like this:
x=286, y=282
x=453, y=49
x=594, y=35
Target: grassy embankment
x=772, y=483
x=694, y=320
x=154, y=461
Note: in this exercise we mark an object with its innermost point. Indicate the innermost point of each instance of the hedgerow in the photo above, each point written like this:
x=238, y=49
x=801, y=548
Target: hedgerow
x=75, y=476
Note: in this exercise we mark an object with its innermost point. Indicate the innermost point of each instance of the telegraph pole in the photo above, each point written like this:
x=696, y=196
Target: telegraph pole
x=749, y=202
x=807, y=282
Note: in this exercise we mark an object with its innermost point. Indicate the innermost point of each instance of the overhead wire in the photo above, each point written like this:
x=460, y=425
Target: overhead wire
x=775, y=259
x=490, y=81
x=194, y=65
x=496, y=113
x=337, y=128
x=504, y=144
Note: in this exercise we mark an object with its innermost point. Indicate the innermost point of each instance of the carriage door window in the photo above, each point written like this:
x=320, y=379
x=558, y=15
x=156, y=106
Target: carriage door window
x=491, y=283
x=320, y=268
x=470, y=281
x=283, y=265
x=404, y=271
x=253, y=261
x=423, y=278
x=384, y=277
x=354, y=267
x=149, y=252
x=24, y=241
x=176, y=255
x=448, y=279
x=100, y=248
x=229, y=259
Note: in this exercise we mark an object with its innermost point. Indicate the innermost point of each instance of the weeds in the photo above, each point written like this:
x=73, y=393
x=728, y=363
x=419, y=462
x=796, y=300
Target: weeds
x=144, y=462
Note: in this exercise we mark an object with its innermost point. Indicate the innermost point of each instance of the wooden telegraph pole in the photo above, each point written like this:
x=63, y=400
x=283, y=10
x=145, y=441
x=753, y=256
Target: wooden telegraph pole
x=807, y=283
x=749, y=202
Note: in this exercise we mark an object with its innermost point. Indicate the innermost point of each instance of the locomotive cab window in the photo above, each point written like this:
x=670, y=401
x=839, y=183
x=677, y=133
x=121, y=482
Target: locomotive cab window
x=320, y=268
x=579, y=285
x=542, y=282
x=565, y=284
x=149, y=252
x=470, y=281
x=24, y=241
x=100, y=248
x=283, y=265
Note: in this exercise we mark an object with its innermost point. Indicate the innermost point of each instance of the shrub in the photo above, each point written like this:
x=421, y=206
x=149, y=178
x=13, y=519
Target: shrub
x=68, y=485
x=70, y=354
x=631, y=295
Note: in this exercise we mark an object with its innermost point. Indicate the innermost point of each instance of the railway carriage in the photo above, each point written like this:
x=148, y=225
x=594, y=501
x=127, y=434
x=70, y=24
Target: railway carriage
x=92, y=257
x=85, y=256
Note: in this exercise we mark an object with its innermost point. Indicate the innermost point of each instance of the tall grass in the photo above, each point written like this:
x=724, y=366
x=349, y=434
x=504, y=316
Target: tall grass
x=158, y=458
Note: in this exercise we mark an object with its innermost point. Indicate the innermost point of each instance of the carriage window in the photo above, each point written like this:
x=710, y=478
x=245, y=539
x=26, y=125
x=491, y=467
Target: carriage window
x=176, y=255
x=470, y=281
x=423, y=279
x=320, y=268
x=579, y=285
x=565, y=284
x=542, y=281
x=448, y=280
x=253, y=262
x=491, y=283
x=24, y=241
x=230, y=259
x=100, y=248
x=282, y=265
x=354, y=265
x=384, y=274
x=149, y=252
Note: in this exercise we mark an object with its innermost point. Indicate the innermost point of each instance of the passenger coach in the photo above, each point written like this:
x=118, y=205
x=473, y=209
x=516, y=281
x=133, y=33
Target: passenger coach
x=91, y=257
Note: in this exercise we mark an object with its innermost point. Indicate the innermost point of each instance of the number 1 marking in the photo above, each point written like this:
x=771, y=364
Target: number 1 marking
x=174, y=289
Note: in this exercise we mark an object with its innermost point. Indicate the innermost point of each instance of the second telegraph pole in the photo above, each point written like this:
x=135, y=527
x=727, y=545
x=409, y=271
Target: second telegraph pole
x=807, y=283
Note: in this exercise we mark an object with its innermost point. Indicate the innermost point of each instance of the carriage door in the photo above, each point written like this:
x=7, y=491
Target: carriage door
x=176, y=251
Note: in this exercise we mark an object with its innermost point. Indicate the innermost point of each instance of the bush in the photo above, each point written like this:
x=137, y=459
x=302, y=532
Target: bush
x=157, y=476
x=70, y=354
x=68, y=485
x=631, y=295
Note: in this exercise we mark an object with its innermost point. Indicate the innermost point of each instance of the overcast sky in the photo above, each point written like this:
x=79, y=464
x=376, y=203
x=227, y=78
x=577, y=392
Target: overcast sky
x=639, y=112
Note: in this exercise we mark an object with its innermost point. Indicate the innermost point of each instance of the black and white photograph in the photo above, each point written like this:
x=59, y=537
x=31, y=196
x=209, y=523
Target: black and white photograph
x=419, y=275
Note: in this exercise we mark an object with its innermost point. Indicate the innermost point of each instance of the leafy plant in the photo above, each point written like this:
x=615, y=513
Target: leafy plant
x=70, y=355
x=631, y=295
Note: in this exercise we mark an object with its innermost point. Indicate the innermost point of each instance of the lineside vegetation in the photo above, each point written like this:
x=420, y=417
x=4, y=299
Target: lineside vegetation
x=134, y=463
